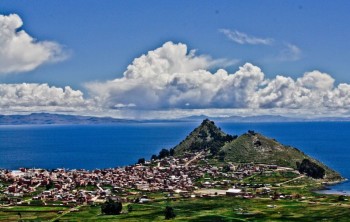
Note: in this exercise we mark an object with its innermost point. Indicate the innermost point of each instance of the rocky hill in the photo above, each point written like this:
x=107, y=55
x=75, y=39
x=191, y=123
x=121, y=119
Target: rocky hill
x=252, y=147
x=205, y=136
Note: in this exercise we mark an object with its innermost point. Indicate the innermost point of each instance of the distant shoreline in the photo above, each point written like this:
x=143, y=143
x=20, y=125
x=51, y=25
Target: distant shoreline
x=71, y=119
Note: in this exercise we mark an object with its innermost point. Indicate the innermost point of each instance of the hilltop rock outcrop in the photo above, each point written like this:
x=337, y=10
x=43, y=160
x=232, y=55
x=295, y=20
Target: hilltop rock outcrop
x=206, y=136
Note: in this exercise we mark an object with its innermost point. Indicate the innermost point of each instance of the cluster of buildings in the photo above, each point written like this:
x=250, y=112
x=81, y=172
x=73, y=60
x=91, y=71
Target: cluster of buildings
x=169, y=174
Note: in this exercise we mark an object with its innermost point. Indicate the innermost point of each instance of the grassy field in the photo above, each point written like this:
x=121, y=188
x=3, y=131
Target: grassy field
x=29, y=213
x=225, y=209
x=315, y=208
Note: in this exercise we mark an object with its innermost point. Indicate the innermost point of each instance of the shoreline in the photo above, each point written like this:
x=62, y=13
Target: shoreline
x=333, y=192
x=329, y=188
x=332, y=183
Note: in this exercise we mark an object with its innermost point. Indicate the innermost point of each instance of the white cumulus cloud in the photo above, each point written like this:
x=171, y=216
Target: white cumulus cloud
x=19, y=52
x=172, y=77
x=172, y=81
x=39, y=97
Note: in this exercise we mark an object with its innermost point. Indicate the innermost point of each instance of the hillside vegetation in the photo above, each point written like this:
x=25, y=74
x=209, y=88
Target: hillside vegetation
x=204, y=137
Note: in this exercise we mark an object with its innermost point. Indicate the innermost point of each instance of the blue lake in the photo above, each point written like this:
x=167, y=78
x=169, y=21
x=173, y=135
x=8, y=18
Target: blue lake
x=103, y=146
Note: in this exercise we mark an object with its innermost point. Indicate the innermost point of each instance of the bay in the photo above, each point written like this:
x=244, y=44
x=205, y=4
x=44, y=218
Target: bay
x=104, y=146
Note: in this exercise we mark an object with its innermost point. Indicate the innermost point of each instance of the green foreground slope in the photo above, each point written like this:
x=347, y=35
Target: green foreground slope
x=315, y=208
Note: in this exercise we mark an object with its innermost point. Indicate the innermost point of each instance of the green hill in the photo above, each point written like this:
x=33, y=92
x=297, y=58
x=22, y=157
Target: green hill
x=205, y=136
x=252, y=147
x=256, y=148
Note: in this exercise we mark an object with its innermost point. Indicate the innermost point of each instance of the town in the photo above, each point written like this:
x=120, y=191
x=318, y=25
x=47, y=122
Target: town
x=190, y=176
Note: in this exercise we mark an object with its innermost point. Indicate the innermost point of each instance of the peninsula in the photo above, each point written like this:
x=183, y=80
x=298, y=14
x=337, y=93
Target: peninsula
x=209, y=176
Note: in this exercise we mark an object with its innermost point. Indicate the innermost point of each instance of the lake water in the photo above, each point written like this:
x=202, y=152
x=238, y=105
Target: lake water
x=103, y=146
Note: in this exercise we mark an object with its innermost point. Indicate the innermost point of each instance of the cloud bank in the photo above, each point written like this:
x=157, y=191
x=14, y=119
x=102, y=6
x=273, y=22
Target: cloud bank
x=19, y=52
x=172, y=77
x=172, y=81
x=39, y=97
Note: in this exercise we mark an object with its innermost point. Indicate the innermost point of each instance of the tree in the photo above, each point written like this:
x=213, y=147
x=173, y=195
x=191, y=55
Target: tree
x=154, y=157
x=49, y=186
x=171, y=151
x=214, y=148
x=341, y=198
x=311, y=169
x=226, y=168
x=129, y=208
x=163, y=153
x=169, y=213
x=222, y=155
x=111, y=207
x=141, y=161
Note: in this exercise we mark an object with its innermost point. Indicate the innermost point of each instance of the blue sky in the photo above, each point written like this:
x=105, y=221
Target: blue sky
x=101, y=38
